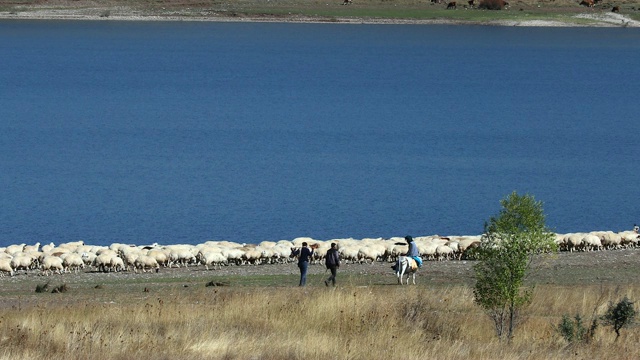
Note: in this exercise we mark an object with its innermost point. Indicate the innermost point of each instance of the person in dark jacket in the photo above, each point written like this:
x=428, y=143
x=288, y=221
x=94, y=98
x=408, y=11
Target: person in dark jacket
x=304, y=255
x=332, y=260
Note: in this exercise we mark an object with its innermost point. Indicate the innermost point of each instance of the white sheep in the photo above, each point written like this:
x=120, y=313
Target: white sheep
x=117, y=264
x=160, y=255
x=182, y=257
x=212, y=258
x=371, y=253
x=14, y=249
x=22, y=262
x=5, y=266
x=73, y=262
x=466, y=243
x=145, y=262
x=234, y=255
x=611, y=240
x=103, y=262
x=129, y=256
x=281, y=253
x=349, y=253
x=105, y=251
x=48, y=247
x=32, y=248
x=88, y=258
x=444, y=252
x=428, y=250
x=628, y=238
x=591, y=242
x=573, y=241
x=50, y=264
x=252, y=256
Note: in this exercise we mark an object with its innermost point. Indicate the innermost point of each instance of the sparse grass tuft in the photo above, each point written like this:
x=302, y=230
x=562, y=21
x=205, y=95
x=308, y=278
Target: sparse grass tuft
x=40, y=288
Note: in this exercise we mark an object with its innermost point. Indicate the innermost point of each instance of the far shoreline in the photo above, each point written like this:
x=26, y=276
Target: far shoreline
x=601, y=19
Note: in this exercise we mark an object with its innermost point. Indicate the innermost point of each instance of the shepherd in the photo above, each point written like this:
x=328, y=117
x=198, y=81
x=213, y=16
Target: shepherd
x=304, y=255
x=413, y=250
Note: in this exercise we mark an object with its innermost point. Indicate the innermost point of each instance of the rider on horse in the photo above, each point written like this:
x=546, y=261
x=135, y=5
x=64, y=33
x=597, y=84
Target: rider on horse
x=413, y=250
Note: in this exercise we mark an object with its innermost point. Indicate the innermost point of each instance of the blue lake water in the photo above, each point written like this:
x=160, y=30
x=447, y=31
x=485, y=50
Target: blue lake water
x=183, y=132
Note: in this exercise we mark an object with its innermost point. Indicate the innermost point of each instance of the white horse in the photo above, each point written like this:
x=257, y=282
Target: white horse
x=405, y=265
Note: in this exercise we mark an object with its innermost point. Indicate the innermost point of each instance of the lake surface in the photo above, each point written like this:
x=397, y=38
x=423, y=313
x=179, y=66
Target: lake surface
x=180, y=132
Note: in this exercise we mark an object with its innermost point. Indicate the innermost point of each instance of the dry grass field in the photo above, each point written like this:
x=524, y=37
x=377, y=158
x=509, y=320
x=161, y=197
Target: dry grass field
x=258, y=312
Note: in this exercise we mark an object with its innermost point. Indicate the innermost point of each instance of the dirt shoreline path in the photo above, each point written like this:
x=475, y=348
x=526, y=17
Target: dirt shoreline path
x=595, y=19
x=612, y=268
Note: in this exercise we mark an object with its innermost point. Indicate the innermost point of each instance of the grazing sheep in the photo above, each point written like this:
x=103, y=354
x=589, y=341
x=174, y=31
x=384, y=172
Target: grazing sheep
x=280, y=253
x=145, y=262
x=428, y=251
x=14, y=249
x=48, y=247
x=560, y=240
x=106, y=251
x=628, y=238
x=181, y=257
x=129, y=256
x=611, y=241
x=591, y=242
x=50, y=264
x=5, y=267
x=371, y=253
x=573, y=241
x=22, y=262
x=233, y=255
x=103, y=262
x=252, y=256
x=468, y=242
x=212, y=258
x=444, y=252
x=117, y=264
x=32, y=248
x=160, y=255
x=349, y=253
x=73, y=262
x=88, y=258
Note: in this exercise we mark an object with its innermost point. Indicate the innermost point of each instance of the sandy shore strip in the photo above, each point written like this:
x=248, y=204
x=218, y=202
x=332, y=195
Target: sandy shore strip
x=598, y=19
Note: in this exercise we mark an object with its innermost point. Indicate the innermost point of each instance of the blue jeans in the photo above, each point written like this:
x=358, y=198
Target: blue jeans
x=303, y=272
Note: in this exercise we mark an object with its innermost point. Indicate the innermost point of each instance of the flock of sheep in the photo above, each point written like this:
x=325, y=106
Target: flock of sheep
x=78, y=256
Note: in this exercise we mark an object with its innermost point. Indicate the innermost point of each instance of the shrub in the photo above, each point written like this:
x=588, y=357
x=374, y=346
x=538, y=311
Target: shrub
x=42, y=288
x=619, y=315
x=573, y=330
x=60, y=289
x=491, y=4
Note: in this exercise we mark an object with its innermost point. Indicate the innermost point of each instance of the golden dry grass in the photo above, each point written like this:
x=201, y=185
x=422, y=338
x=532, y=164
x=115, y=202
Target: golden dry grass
x=352, y=322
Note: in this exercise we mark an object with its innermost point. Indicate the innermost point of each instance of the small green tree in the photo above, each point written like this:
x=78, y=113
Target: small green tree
x=510, y=242
x=574, y=331
x=619, y=315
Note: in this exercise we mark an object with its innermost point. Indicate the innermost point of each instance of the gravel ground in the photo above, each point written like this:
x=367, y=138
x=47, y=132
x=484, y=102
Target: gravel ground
x=90, y=10
x=611, y=267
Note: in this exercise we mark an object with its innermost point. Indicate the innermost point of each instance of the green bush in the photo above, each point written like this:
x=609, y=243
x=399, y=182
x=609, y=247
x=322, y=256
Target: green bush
x=619, y=315
x=491, y=4
x=574, y=331
x=40, y=288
